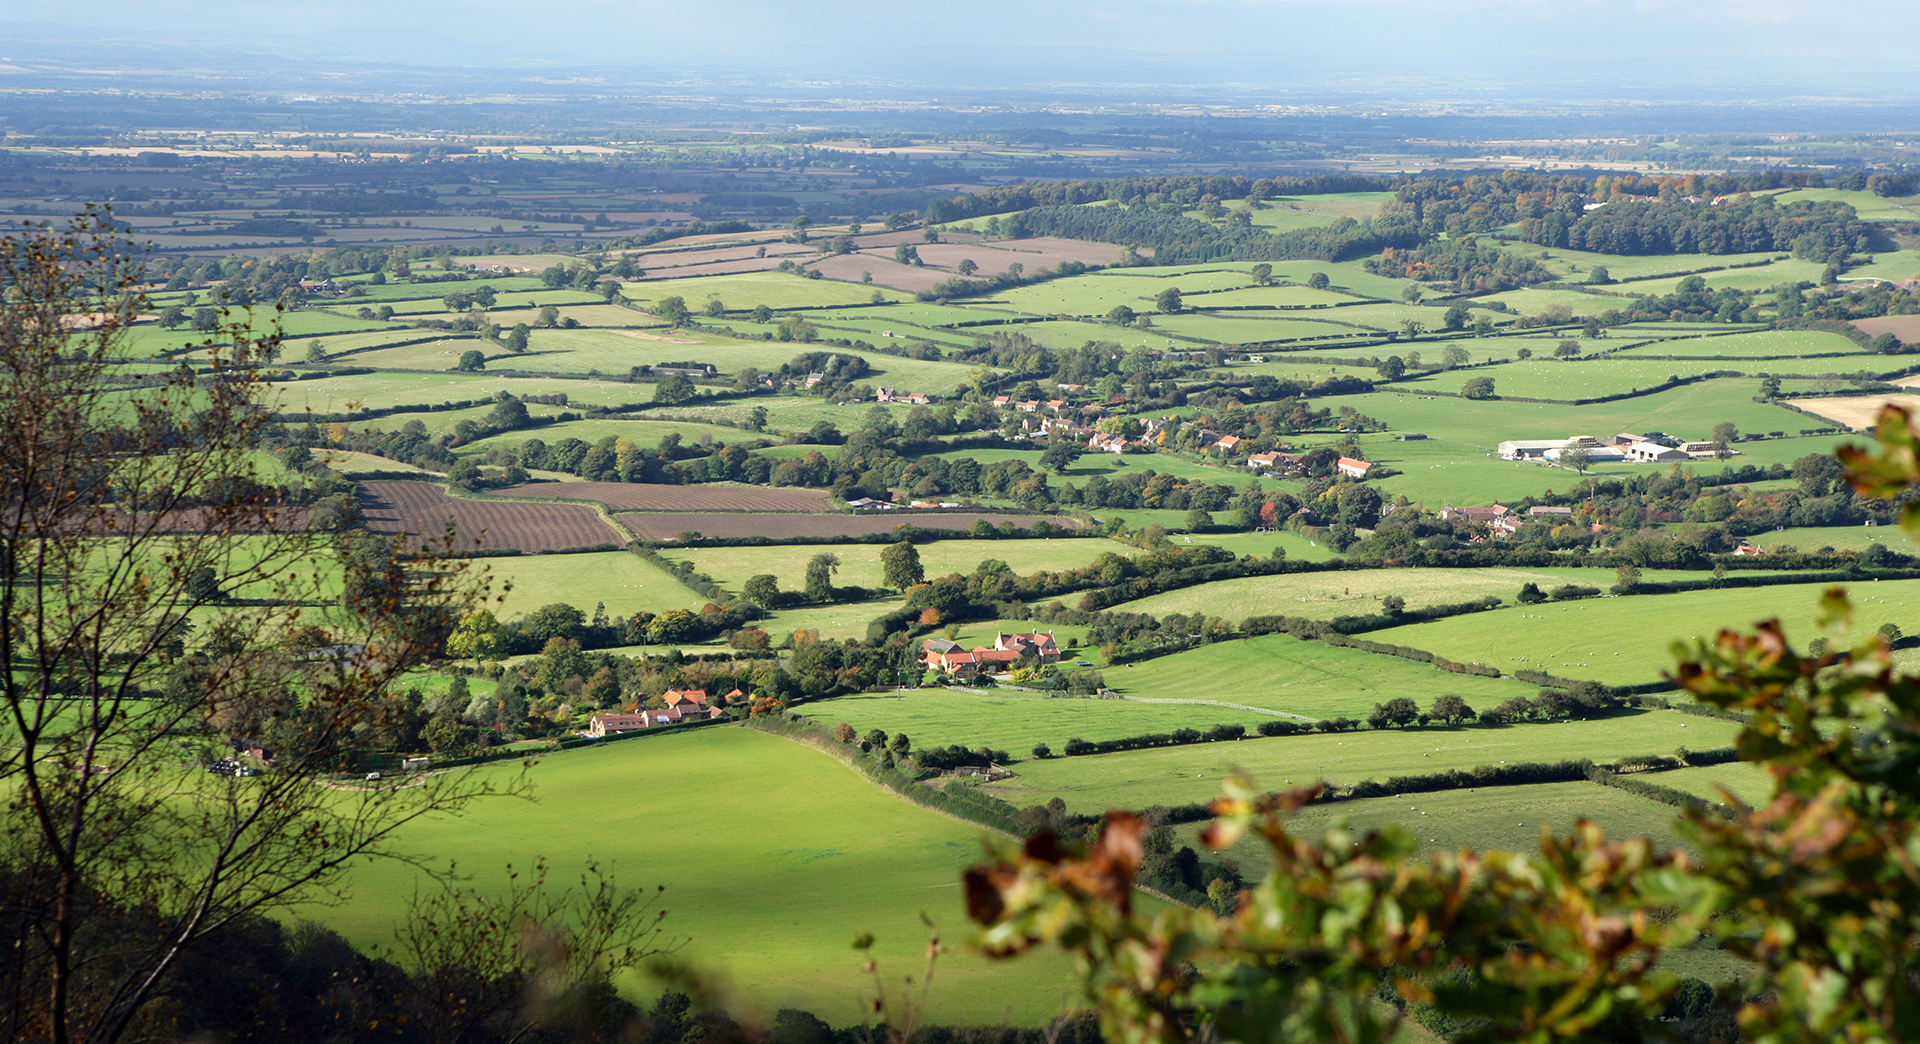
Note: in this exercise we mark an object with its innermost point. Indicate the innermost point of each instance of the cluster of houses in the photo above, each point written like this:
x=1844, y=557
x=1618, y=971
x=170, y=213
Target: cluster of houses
x=1008, y=649
x=1653, y=447
x=1504, y=521
x=894, y=395
x=689, y=705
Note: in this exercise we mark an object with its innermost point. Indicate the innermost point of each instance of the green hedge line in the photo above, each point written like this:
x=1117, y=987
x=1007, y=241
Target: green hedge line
x=963, y=802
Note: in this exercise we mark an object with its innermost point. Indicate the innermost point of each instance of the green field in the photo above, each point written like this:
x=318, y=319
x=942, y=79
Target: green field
x=1624, y=641
x=833, y=854
x=1323, y=596
x=625, y=582
x=1280, y=674
x=1182, y=775
x=646, y=433
x=1011, y=720
x=1840, y=538
x=1507, y=818
x=860, y=563
x=746, y=290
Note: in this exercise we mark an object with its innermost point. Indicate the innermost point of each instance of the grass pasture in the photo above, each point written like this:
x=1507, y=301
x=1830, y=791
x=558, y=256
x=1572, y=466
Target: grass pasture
x=1283, y=675
x=860, y=563
x=847, y=856
x=1181, y=775
x=625, y=582
x=1323, y=596
x=1011, y=720
x=1507, y=818
x=1624, y=641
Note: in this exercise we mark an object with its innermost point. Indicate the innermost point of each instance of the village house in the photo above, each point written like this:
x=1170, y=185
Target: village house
x=1002, y=400
x=1029, y=406
x=1229, y=442
x=670, y=716
x=1483, y=515
x=919, y=399
x=886, y=395
x=685, y=701
x=1354, y=468
x=1039, y=646
x=603, y=725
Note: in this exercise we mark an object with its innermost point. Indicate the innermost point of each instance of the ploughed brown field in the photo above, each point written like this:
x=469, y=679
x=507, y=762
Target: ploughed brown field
x=1905, y=327
x=423, y=510
x=664, y=525
x=646, y=496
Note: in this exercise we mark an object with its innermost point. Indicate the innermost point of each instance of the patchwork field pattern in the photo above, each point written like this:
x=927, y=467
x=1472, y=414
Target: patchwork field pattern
x=424, y=511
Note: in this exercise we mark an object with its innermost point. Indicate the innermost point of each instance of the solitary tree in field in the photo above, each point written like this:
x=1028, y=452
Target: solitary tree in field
x=966, y=267
x=1319, y=281
x=900, y=564
x=471, y=360
x=1060, y=454
x=1413, y=293
x=820, y=570
x=1168, y=300
x=1477, y=388
x=1392, y=368
x=1262, y=274
x=129, y=675
x=673, y=309
x=1566, y=349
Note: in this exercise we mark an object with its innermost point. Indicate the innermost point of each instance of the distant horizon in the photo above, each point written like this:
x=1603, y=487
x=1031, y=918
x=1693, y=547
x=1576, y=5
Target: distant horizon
x=1470, y=52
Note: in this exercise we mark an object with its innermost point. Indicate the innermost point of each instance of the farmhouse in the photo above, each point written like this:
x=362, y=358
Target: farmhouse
x=1484, y=515
x=687, y=701
x=1355, y=468
x=869, y=504
x=615, y=724
x=1038, y=646
x=952, y=664
x=887, y=395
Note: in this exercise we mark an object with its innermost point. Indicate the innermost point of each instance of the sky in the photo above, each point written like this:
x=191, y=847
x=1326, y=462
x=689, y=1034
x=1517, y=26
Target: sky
x=1569, y=46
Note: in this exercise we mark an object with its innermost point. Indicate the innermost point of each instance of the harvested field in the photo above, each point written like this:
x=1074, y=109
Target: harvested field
x=1856, y=411
x=424, y=509
x=645, y=496
x=1905, y=327
x=662, y=525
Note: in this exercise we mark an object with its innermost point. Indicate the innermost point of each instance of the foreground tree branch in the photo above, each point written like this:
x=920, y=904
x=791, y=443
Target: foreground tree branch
x=162, y=603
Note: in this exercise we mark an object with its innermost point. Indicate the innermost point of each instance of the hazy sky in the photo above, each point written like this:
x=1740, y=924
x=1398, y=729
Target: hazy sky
x=986, y=42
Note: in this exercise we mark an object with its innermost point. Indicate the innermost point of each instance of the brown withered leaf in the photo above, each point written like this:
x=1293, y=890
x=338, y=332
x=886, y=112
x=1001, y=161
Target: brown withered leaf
x=1107, y=871
x=985, y=884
